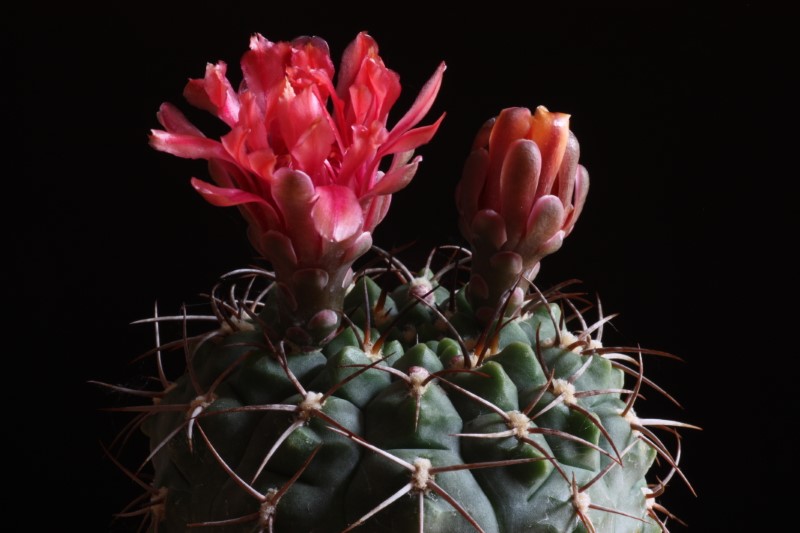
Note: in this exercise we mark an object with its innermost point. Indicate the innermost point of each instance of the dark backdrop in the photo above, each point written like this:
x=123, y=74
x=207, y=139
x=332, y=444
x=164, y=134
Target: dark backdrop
x=683, y=119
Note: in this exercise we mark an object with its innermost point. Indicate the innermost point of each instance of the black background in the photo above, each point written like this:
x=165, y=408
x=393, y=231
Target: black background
x=684, y=121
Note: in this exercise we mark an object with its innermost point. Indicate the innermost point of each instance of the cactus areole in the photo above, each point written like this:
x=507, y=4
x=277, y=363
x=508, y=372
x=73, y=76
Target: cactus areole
x=458, y=397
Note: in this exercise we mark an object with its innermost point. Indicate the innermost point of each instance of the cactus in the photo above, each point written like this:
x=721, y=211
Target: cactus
x=326, y=400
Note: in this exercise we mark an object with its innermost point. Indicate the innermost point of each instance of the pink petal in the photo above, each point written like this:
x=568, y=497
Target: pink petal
x=550, y=131
x=174, y=121
x=411, y=139
x=314, y=54
x=293, y=192
x=581, y=191
x=383, y=86
x=253, y=119
x=376, y=88
x=395, y=179
x=337, y=214
x=400, y=159
x=360, y=102
x=313, y=147
x=546, y=219
x=235, y=144
x=214, y=93
x=361, y=47
x=188, y=146
x=518, y=179
x=263, y=66
x=513, y=123
x=195, y=94
x=229, y=175
x=375, y=210
x=358, y=155
x=262, y=162
x=422, y=104
x=221, y=173
x=224, y=196
x=306, y=129
x=221, y=93
x=565, y=179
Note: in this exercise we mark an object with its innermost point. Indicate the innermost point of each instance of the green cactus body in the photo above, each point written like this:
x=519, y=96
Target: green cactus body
x=536, y=435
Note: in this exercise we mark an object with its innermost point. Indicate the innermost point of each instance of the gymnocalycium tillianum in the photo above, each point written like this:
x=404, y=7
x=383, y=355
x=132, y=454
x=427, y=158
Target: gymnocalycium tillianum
x=458, y=397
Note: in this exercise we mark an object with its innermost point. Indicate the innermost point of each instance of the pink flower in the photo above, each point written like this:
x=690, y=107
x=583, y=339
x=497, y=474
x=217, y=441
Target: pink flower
x=520, y=195
x=302, y=156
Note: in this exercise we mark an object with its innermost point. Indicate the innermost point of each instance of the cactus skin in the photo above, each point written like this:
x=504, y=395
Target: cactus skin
x=403, y=390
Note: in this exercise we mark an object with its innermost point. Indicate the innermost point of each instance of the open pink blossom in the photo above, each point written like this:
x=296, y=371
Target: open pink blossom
x=520, y=195
x=302, y=159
